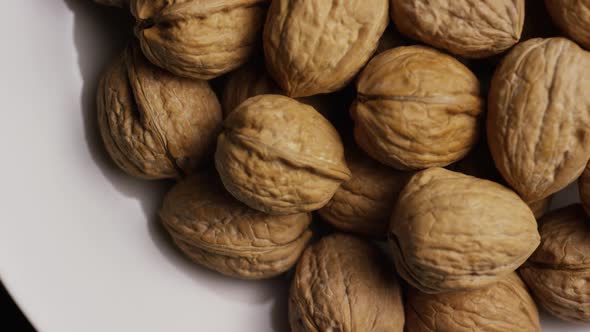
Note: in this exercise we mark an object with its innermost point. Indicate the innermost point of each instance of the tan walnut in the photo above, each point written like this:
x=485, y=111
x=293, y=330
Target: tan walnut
x=538, y=124
x=572, y=17
x=505, y=305
x=364, y=204
x=199, y=39
x=454, y=232
x=114, y=3
x=584, y=188
x=215, y=230
x=154, y=124
x=558, y=273
x=416, y=108
x=342, y=284
x=317, y=46
x=280, y=156
x=470, y=28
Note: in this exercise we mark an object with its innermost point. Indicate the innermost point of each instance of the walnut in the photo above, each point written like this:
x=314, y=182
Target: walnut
x=573, y=17
x=470, y=28
x=114, y=3
x=341, y=284
x=416, y=108
x=539, y=120
x=584, y=188
x=558, y=273
x=155, y=125
x=280, y=156
x=540, y=207
x=199, y=39
x=317, y=46
x=502, y=306
x=454, y=232
x=364, y=203
x=220, y=233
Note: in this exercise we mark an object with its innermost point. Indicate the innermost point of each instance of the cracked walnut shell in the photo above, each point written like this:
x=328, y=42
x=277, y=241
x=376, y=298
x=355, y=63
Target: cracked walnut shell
x=469, y=28
x=572, y=17
x=199, y=39
x=416, y=108
x=454, y=232
x=153, y=124
x=539, y=116
x=341, y=284
x=500, y=307
x=280, y=156
x=220, y=233
x=558, y=273
x=317, y=46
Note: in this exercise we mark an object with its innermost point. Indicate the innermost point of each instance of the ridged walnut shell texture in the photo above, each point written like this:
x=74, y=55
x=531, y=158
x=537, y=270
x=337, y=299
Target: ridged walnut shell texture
x=539, y=116
x=280, y=156
x=469, y=28
x=364, y=204
x=416, y=108
x=572, y=17
x=317, y=46
x=342, y=284
x=154, y=124
x=558, y=273
x=501, y=307
x=199, y=39
x=454, y=232
x=584, y=188
x=217, y=231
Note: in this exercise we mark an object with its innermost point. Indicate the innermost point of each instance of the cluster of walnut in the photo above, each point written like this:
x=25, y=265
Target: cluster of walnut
x=454, y=169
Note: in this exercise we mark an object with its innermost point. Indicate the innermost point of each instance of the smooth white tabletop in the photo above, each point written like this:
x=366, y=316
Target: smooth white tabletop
x=80, y=247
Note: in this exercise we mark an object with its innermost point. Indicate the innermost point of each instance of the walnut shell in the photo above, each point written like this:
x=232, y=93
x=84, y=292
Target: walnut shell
x=539, y=120
x=317, y=46
x=199, y=39
x=341, y=284
x=416, y=108
x=584, y=188
x=280, y=156
x=502, y=306
x=114, y=3
x=454, y=232
x=572, y=17
x=364, y=203
x=220, y=233
x=473, y=29
x=540, y=207
x=155, y=125
x=558, y=273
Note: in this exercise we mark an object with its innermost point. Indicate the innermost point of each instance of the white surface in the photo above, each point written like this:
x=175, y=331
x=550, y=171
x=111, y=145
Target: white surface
x=80, y=249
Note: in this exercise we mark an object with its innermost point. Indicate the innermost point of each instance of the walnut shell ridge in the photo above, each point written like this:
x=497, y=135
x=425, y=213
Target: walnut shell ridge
x=558, y=273
x=416, y=108
x=199, y=39
x=341, y=284
x=539, y=116
x=280, y=156
x=453, y=232
x=317, y=46
x=364, y=204
x=503, y=306
x=215, y=230
x=573, y=18
x=469, y=28
x=155, y=125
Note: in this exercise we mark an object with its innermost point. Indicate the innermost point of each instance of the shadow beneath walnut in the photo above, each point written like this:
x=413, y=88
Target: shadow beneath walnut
x=110, y=28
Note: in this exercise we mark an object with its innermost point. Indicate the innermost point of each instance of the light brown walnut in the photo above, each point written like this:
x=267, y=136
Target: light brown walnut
x=558, y=273
x=416, y=108
x=217, y=231
x=199, y=39
x=317, y=46
x=280, y=156
x=503, y=306
x=469, y=28
x=153, y=124
x=538, y=124
x=572, y=17
x=453, y=232
x=342, y=284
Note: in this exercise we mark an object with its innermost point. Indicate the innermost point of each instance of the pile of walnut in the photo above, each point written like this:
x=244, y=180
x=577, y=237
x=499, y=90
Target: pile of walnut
x=468, y=241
